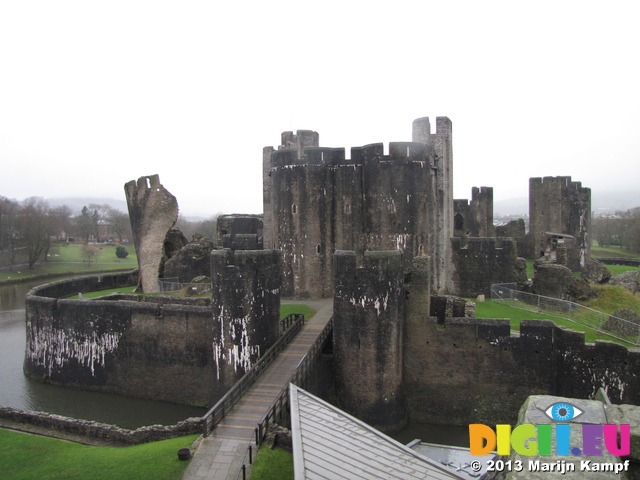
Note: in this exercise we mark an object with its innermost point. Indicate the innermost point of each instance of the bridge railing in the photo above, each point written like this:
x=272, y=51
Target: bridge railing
x=280, y=409
x=291, y=325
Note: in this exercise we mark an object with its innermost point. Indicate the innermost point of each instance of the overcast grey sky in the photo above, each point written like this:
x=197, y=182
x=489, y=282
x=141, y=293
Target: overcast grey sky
x=93, y=94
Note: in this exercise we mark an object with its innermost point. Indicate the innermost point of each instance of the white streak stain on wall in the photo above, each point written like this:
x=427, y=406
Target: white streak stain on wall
x=241, y=352
x=54, y=348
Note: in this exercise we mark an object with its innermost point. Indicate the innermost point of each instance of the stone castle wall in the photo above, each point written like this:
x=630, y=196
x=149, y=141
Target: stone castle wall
x=317, y=201
x=559, y=205
x=475, y=218
x=477, y=371
x=117, y=345
x=453, y=371
x=482, y=261
x=246, y=310
x=185, y=351
x=367, y=337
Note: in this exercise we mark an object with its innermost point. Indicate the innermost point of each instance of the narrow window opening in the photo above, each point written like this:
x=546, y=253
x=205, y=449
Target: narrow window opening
x=294, y=208
x=318, y=249
x=347, y=209
x=392, y=207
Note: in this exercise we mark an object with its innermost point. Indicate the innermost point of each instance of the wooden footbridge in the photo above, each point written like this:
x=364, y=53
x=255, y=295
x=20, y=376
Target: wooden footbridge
x=238, y=421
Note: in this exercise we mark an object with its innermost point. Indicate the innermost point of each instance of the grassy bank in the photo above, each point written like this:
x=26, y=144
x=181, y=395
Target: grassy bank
x=69, y=260
x=613, y=251
x=273, y=464
x=24, y=457
x=610, y=298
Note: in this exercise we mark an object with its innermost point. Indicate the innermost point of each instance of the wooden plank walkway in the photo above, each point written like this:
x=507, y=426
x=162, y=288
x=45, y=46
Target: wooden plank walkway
x=220, y=455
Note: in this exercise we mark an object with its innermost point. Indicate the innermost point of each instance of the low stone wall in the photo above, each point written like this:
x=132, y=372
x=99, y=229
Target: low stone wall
x=122, y=344
x=477, y=371
x=102, y=433
x=619, y=261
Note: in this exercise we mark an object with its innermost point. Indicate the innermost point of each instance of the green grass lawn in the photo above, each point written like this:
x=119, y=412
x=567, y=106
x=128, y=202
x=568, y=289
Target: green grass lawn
x=289, y=309
x=273, y=464
x=610, y=298
x=68, y=260
x=612, y=251
x=617, y=269
x=498, y=309
x=25, y=457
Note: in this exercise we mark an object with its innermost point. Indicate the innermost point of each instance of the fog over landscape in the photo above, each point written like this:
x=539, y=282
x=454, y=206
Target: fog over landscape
x=93, y=95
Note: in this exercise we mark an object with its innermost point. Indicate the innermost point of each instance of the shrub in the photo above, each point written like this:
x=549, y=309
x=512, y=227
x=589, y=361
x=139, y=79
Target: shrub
x=121, y=252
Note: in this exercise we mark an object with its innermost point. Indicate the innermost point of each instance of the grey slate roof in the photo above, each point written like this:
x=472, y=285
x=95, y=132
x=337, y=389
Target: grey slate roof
x=330, y=444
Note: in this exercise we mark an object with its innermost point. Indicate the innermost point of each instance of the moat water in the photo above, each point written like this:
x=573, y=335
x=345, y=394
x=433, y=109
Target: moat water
x=19, y=391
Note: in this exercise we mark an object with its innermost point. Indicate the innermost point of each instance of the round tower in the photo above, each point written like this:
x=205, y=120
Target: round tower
x=246, y=309
x=367, y=337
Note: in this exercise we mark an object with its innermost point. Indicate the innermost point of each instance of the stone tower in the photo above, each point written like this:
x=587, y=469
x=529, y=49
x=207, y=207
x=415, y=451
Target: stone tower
x=560, y=209
x=442, y=143
x=475, y=218
x=367, y=337
x=246, y=309
x=317, y=201
x=153, y=210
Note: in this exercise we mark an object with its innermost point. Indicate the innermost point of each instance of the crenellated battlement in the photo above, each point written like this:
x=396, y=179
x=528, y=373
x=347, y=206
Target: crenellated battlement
x=399, y=153
x=491, y=369
x=560, y=181
x=317, y=201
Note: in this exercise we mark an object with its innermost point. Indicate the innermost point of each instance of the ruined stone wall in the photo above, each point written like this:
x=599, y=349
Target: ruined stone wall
x=246, y=310
x=153, y=210
x=474, y=371
x=240, y=232
x=559, y=205
x=135, y=348
x=481, y=262
x=98, y=433
x=475, y=218
x=367, y=337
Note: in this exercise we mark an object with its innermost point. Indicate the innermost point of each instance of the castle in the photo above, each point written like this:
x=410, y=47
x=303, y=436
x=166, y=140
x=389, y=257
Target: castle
x=381, y=234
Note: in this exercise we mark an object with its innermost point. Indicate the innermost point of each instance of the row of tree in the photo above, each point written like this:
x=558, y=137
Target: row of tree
x=621, y=229
x=28, y=228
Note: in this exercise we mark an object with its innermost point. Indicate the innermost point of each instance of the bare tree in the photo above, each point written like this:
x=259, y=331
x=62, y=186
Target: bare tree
x=207, y=227
x=9, y=234
x=120, y=223
x=34, y=228
x=90, y=252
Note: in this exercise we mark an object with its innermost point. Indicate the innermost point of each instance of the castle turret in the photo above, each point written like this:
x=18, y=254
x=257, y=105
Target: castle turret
x=367, y=336
x=246, y=309
x=475, y=218
x=560, y=211
x=441, y=141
